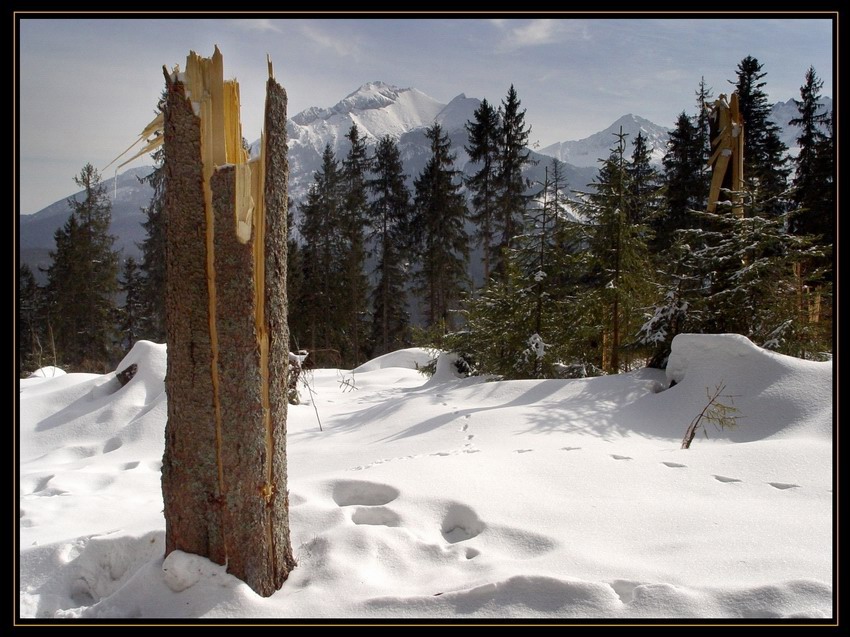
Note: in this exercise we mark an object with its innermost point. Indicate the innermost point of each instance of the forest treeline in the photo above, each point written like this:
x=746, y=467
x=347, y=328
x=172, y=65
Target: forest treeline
x=579, y=279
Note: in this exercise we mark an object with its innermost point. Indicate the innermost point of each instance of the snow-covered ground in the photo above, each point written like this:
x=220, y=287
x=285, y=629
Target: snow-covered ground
x=458, y=498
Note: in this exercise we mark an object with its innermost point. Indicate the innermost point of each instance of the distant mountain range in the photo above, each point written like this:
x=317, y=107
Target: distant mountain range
x=378, y=109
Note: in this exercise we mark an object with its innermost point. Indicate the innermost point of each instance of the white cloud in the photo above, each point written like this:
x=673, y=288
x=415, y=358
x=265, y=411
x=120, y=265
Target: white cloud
x=540, y=32
x=257, y=24
x=336, y=42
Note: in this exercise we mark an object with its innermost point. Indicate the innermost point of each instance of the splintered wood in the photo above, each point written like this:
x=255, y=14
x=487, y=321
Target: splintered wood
x=224, y=469
x=727, y=159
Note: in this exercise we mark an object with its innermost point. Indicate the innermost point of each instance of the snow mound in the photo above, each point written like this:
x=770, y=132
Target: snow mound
x=47, y=372
x=776, y=395
x=446, y=369
x=410, y=358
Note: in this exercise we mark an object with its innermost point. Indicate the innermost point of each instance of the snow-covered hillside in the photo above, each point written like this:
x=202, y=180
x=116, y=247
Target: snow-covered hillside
x=454, y=498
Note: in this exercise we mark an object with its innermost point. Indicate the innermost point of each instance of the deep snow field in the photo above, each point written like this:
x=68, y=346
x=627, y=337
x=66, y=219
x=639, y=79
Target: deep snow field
x=456, y=498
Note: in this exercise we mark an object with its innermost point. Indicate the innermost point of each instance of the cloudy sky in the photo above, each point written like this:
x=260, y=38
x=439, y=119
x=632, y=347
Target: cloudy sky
x=88, y=86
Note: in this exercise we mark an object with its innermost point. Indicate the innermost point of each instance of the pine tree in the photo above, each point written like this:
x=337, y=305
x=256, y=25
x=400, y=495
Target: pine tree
x=322, y=231
x=814, y=197
x=389, y=211
x=32, y=337
x=620, y=274
x=643, y=200
x=132, y=316
x=355, y=215
x=813, y=180
x=483, y=149
x=438, y=228
x=685, y=185
x=153, y=263
x=701, y=121
x=511, y=188
x=294, y=282
x=83, y=280
x=740, y=279
x=765, y=167
x=521, y=326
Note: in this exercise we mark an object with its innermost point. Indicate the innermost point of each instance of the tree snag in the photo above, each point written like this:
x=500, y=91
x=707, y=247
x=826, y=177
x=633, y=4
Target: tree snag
x=224, y=467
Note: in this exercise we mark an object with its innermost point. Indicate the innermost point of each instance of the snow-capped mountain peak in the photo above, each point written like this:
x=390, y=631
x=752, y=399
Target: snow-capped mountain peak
x=381, y=108
x=588, y=151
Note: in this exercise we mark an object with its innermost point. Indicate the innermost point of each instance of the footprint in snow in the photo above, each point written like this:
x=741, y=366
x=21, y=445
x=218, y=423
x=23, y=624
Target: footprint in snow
x=616, y=457
x=464, y=428
x=522, y=450
x=570, y=448
x=460, y=523
x=783, y=485
x=363, y=493
x=674, y=465
x=725, y=479
x=376, y=516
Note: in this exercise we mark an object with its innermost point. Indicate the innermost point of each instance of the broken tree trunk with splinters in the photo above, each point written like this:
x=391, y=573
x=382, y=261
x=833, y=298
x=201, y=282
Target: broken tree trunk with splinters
x=224, y=468
x=726, y=126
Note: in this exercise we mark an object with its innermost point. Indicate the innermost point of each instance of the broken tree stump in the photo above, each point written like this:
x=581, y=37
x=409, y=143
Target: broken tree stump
x=224, y=468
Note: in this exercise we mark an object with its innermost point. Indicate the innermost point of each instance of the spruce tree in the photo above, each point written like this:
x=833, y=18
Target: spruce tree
x=643, y=201
x=739, y=278
x=439, y=217
x=389, y=221
x=483, y=149
x=521, y=326
x=701, y=121
x=620, y=275
x=355, y=214
x=814, y=182
x=765, y=160
x=31, y=334
x=511, y=187
x=685, y=186
x=83, y=280
x=814, y=197
x=294, y=282
x=322, y=231
x=153, y=263
x=131, y=284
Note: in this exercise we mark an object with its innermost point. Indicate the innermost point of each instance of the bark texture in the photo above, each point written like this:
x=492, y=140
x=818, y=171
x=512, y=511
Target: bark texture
x=190, y=484
x=224, y=482
x=275, y=197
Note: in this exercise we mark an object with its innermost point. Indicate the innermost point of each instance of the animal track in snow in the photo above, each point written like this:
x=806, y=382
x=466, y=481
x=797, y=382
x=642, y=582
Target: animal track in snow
x=625, y=589
x=570, y=448
x=376, y=516
x=112, y=444
x=465, y=427
x=674, y=465
x=42, y=483
x=616, y=457
x=129, y=465
x=460, y=523
x=361, y=492
x=783, y=485
x=522, y=450
x=725, y=479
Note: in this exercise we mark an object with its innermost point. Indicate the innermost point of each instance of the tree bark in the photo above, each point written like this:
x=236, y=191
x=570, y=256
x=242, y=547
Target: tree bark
x=190, y=482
